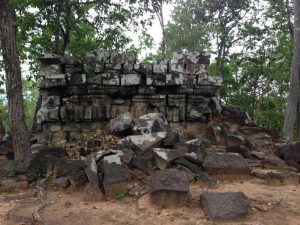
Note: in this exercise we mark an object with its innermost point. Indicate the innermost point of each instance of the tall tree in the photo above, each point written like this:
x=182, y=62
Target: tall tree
x=294, y=90
x=18, y=128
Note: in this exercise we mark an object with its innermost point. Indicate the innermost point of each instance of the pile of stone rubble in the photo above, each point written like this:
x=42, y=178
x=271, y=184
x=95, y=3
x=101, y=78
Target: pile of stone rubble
x=151, y=156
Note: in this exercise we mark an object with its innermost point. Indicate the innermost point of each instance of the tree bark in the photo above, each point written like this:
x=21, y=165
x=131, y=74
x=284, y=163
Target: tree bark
x=294, y=90
x=18, y=128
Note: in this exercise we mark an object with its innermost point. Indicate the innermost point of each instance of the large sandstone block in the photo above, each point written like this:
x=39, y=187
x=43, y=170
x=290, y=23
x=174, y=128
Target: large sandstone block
x=116, y=176
x=178, y=58
x=197, y=58
x=50, y=58
x=76, y=79
x=140, y=105
x=144, y=68
x=142, y=144
x=157, y=103
x=197, y=108
x=122, y=125
x=225, y=206
x=150, y=123
x=50, y=69
x=180, y=79
x=169, y=188
x=77, y=90
x=110, y=66
x=197, y=69
x=130, y=79
x=160, y=67
x=289, y=151
x=177, y=69
x=185, y=89
x=231, y=164
x=164, y=157
x=51, y=81
x=176, y=109
x=52, y=114
x=155, y=80
x=216, y=81
x=73, y=69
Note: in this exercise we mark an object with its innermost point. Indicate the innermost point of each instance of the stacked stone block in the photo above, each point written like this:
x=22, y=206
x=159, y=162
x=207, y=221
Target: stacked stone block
x=84, y=94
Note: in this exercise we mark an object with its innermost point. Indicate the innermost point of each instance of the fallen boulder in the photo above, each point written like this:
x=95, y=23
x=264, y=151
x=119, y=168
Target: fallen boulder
x=150, y=123
x=225, y=206
x=116, y=176
x=91, y=171
x=142, y=144
x=233, y=139
x=232, y=164
x=122, y=125
x=174, y=136
x=240, y=149
x=140, y=162
x=197, y=171
x=278, y=178
x=169, y=187
x=288, y=151
x=164, y=157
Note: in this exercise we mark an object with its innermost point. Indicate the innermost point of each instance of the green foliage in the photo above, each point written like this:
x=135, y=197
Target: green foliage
x=253, y=57
x=154, y=164
x=121, y=194
x=12, y=174
x=30, y=95
x=36, y=176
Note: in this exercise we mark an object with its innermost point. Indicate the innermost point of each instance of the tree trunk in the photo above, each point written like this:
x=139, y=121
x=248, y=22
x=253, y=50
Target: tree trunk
x=18, y=128
x=2, y=131
x=294, y=90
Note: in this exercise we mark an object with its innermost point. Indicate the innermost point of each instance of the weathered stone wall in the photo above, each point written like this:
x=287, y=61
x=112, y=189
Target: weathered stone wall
x=79, y=96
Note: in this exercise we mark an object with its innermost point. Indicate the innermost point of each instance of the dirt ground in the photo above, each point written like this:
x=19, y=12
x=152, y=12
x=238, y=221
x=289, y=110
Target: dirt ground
x=270, y=205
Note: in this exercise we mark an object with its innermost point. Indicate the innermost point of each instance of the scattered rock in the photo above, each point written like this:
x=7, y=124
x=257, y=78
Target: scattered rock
x=142, y=126
x=127, y=157
x=121, y=126
x=169, y=188
x=285, y=178
x=278, y=178
x=62, y=167
x=259, y=155
x=164, y=157
x=78, y=180
x=142, y=144
x=197, y=171
x=141, y=163
x=92, y=174
x=62, y=182
x=162, y=120
x=225, y=206
x=290, y=151
x=12, y=184
x=240, y=149
x=226, y=164
x=116, y=176
x=233, y=139
x=174, y=136
x=272, y=161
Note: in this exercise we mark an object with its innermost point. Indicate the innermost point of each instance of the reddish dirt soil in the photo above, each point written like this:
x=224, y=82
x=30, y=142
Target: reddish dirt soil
x=269, y=206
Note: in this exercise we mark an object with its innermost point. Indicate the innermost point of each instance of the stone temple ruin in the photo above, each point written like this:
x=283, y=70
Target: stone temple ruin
x=79, y=96
x=153, y=131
